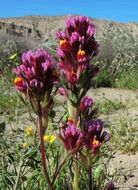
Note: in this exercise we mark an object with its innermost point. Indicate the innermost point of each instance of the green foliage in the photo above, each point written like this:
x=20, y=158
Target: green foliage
x=124, y=136
x=128, y=80
x=10, y=103
x=117, y=57
x=107, y=106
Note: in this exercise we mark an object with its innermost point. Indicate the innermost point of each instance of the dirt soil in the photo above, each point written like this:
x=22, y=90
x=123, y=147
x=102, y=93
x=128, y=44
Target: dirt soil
x=125, y=164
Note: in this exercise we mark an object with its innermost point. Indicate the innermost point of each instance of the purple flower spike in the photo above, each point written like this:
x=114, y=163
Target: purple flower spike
x=86, y=103
x=109, y=186
x=70, y=25
x=37, y=72
x=71, y=137
x=61, y=35
x=77, y=46
x=94, y=136
x=91, y=30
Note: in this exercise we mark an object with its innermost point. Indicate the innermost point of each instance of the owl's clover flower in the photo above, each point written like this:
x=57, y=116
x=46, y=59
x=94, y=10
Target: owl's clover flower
x=71, y=137
x=86, y=103
x=94, y=136
x=77, y=46
x=36, y=74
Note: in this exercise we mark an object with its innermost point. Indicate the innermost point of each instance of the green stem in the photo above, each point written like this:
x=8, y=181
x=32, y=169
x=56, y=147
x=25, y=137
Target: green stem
x=76, y=118
x=76, y=176
x=90, y=178
x=59, y=168
x=18, y=175
x=43, y=157
x=76, y=168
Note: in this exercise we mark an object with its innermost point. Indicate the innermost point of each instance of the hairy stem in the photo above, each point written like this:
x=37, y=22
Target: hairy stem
x=59, y=169
x=43, y=157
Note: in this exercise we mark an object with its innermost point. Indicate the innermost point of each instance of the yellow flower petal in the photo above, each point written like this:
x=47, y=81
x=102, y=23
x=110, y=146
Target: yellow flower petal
x=46, y=138
x=29, y=131
x=25, y=145
x=52, y=138
x=49, y=138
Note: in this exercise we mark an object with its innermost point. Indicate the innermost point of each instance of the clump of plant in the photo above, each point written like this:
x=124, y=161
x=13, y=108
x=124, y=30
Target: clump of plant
x=107, y=106
x=124, y=136
x=117, y=59
x=80, y=141
x=128, y=80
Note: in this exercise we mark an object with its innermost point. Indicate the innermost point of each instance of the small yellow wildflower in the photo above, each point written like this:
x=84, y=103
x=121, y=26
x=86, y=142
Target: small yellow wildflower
x=49, y=138
x=52, y=138
x=46, y=138
x=25, y=145
x=29, y=131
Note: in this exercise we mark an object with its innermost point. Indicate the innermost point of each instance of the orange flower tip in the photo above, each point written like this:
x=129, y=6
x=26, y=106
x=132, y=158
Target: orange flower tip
x=17, y=80
x=81, y=52
x=70, y=119
x=62, y=42
x=95, y=142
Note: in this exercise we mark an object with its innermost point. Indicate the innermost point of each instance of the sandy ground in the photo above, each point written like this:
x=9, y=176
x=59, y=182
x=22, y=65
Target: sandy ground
x=125, y=164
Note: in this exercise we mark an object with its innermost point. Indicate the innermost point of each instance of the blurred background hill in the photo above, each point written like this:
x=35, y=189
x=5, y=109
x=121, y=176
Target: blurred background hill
x=118, y=41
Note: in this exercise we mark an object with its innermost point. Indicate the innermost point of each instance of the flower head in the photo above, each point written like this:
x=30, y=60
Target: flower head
x=77, y=46
x=49, y=138
x=94, y=136
x=71, y=137
x=86, y=103
x=36, y=73
x=25, y=145
x=29, y=131
x=109, y=186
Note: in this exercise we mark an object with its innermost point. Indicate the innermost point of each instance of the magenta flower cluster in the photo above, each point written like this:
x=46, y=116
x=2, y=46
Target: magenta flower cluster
x=37, y=73
x=86, y=103
x=77, y=47
x=94, y=135
x=90, y=137
x=71, y=137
